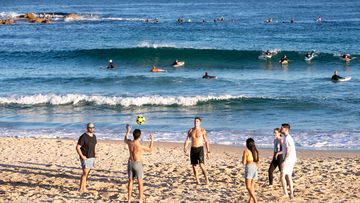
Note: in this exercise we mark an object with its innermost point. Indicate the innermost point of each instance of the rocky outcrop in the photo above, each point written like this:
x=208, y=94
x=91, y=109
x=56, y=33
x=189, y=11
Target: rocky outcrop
x=40, y=20
x=8, y=21
x=30, y=16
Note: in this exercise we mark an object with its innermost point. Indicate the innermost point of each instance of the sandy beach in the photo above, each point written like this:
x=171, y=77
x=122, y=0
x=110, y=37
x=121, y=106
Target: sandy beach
x=48, y=170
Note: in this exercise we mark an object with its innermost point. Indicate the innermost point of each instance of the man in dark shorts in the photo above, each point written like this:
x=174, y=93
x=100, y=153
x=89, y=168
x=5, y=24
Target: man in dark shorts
x=135, y=164
x=198, y=137
x=86, y=148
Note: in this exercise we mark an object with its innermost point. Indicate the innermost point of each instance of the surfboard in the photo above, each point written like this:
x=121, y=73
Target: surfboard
x=285, y=62
x=180, y=63
x=309, y=58
x=157, y=70
x=343, y=79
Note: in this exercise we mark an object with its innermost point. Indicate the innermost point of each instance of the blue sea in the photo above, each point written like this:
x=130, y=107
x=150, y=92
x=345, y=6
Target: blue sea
x=53, y=77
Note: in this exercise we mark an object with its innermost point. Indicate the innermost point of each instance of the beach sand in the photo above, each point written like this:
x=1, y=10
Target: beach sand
x=37, y=170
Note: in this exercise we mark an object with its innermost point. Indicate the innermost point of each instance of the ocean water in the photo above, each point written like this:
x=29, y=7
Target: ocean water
x=53, y=78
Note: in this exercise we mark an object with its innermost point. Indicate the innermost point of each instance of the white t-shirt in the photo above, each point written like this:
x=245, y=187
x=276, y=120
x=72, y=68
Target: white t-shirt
x=288, y=146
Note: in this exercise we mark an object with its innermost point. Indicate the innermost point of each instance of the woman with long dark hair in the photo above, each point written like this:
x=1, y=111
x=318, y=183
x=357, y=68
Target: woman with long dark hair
x=250, y=159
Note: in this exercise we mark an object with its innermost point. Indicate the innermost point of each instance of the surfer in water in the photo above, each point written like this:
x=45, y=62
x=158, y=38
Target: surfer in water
x=309, y=55
x=284, y=59
x=346, y=57
x=155, y=69
x=268, y=21
x=207, y=76
x=336, y=77
x=176, y=62
x=268, y=53
x=110, y=65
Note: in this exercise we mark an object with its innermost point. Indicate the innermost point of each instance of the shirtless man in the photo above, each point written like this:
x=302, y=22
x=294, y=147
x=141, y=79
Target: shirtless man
x=135, y=165
x=198, y=137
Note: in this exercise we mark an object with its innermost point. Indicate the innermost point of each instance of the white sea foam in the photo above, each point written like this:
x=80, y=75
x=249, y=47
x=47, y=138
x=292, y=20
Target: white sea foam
x=87, y=17
x=8, y=14
x=78, y=99
x=125, y=19
x=155, y=45
x=307, y=140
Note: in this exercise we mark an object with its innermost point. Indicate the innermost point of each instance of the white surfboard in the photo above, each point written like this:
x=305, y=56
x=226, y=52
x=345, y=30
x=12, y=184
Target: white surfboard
x=179, y=64
x=343, y=79
x=310, y=58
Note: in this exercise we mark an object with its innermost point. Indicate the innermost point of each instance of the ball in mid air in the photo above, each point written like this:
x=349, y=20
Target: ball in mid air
x=140, y=120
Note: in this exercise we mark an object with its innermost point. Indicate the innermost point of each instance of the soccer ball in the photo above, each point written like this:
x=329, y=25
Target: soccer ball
x=140, y=120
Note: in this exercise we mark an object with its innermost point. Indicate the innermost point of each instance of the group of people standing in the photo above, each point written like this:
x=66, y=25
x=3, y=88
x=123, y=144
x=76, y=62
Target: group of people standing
x=284, y=157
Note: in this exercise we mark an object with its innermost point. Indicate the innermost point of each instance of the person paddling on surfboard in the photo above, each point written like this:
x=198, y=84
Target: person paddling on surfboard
x=176, y=62
x=155, y=69
x=110, y=65
x=283, y=59
x=207, y=76
x=336, y=76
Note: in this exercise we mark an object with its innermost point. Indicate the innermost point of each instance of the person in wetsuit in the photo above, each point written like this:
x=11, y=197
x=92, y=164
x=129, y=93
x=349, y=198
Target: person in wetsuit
x=336, y=76
x=110, y=65
x=284, y=58
x=308, y=55
x=207, y=76
x=268, y=53
x=176, y=62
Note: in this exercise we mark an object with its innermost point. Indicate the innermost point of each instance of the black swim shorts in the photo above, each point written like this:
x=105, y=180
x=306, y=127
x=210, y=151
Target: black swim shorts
x=197, y=155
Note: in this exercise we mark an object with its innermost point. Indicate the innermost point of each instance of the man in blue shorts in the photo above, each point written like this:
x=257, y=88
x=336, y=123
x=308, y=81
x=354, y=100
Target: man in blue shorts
x=86, y=148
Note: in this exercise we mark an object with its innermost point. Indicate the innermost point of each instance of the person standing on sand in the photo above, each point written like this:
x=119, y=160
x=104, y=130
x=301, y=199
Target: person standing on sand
x=251, y=160
x=198, y=138
x=289, y=157
x=135, y=165
x=277, y=156
x=86, y=148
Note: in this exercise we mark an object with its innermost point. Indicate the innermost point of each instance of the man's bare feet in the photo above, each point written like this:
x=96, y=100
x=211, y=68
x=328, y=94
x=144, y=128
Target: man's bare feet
x=85, y=190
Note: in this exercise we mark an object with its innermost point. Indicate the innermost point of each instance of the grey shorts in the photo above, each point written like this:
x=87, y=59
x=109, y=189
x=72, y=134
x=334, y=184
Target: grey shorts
x=251, y=171
x=89, y=163
x=135, y=169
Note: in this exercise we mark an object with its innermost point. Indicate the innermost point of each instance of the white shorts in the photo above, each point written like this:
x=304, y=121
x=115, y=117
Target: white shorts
x=288, y=167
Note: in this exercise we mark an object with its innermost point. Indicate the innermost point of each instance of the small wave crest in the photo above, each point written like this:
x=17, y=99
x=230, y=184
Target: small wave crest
x=80, y=99
x=155, y=45
x=8, y=14
x=83, y=17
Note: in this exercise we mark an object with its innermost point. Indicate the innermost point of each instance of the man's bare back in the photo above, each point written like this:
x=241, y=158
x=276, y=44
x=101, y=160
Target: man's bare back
x=135, y=165
x=135, y=148
x=135, y=151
